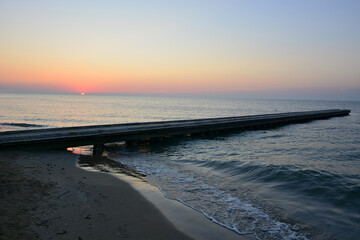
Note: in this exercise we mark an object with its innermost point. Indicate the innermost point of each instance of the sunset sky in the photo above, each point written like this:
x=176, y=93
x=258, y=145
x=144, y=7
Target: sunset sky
x=188, y=46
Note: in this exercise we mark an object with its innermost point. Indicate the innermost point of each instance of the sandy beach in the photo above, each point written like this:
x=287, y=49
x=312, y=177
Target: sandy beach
x=43, y=195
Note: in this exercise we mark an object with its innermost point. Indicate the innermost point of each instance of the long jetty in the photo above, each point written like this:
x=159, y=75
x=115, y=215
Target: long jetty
x=98, y=135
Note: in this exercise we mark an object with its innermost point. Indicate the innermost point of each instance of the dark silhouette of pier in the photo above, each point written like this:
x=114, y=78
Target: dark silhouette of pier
x=98, y=135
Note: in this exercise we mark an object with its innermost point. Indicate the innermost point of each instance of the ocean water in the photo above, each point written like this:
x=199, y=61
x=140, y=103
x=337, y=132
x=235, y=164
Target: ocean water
x=300, y=181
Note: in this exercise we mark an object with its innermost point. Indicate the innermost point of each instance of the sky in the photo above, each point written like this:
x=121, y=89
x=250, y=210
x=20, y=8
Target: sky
x=274, y=47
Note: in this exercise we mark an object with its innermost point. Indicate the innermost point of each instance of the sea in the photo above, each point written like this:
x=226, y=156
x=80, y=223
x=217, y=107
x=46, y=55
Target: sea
x=298, y=181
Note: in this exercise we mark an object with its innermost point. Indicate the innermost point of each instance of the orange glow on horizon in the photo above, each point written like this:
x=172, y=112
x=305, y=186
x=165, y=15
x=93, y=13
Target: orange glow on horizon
x=98, y=79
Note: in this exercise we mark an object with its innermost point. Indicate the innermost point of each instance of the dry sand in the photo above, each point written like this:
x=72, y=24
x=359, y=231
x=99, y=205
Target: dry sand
x=43, y=195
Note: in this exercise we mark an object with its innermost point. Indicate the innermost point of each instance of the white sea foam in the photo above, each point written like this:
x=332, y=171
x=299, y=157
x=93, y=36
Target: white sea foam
x=177, y=182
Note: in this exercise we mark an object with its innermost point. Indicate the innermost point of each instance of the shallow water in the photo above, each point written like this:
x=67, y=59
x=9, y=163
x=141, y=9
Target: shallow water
x=300, y=181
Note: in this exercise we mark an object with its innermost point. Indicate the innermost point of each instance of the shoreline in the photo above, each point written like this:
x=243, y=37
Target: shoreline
x=59, y=200
x=183, y=217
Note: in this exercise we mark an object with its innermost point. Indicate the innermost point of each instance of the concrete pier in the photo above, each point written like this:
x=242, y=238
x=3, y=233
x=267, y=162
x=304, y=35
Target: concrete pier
x=98, y=135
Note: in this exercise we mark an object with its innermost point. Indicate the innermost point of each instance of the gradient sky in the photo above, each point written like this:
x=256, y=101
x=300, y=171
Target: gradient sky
x=180, y=46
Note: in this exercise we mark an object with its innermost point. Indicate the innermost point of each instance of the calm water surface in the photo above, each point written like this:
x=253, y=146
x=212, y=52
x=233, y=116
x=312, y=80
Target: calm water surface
x=300, y=181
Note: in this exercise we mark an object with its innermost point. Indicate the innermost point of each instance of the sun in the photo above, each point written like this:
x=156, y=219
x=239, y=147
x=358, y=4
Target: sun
x=82, y=94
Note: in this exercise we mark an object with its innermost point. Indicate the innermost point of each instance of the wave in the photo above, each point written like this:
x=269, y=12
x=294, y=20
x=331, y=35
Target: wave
x=219, y=205
x=339, y=190
x=25, y=125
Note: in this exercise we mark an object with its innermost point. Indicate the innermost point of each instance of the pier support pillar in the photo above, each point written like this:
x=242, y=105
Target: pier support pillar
x=98, y=149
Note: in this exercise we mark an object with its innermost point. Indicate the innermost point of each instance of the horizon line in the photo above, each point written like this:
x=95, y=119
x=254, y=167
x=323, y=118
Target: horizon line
x=315, y=94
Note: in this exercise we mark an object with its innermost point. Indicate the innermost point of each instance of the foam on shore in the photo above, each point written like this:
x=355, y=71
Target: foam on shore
x=186, y=219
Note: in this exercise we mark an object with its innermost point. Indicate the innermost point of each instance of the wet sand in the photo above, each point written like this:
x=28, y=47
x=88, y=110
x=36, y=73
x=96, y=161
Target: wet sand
x=43, y=195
